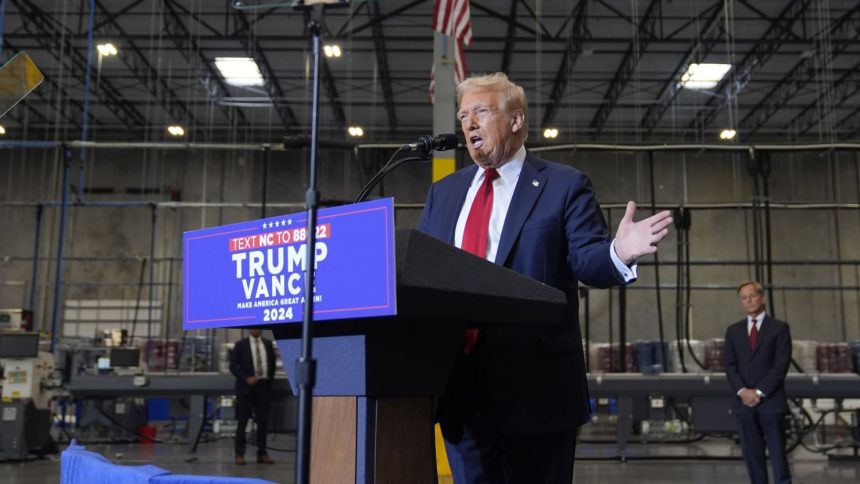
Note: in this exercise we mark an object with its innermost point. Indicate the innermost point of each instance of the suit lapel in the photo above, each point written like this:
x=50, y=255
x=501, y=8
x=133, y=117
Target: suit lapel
x=529, y=187
x=743, y=341
x=454, y=204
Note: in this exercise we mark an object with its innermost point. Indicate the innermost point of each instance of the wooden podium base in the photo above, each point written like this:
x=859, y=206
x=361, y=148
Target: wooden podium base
x=368, y=440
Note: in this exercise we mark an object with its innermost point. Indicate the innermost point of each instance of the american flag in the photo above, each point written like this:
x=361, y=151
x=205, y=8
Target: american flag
x=451, y=17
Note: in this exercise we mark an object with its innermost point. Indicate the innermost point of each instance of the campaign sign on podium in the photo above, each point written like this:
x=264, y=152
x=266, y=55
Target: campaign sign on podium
x=252, y=273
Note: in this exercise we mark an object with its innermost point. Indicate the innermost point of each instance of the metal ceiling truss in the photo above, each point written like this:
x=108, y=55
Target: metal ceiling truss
x=137, y=63
x=273, y=89
x=847, y=28
x=543, y=36
x=731, y=86
x=578, y=32
x=187, y=46
x=383, y=18
x=46, y=31
x=382, y=65
x=704, y=45
x=844, y=88
x=645, y=33
x=507, y=54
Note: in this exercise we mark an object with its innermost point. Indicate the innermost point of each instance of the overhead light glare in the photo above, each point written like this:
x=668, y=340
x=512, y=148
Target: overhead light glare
x=704, y=76
x=2, y=130
x=332, y=50
x=176, y=130
x=356, y=131
x=727, y=134
x=550, y=133
x=239, y=71
x=106, y=49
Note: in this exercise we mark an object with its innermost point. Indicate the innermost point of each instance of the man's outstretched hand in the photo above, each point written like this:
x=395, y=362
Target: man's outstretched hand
x=635, y=239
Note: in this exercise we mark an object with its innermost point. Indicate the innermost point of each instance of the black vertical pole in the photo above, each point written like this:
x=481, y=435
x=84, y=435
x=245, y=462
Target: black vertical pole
x=267, y=150
x=657, y=269
x=622, y=328
x=306, y=365
x=61, y=242
x=764, y=170
x=154, y=209
x=37, y=237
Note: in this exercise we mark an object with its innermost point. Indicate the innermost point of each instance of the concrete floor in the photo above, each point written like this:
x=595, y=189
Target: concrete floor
x=216, y=458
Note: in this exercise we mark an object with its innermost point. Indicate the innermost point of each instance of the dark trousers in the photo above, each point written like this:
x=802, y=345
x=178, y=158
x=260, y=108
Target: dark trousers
x=759, y=431
x=485, y=456
x=256, y=400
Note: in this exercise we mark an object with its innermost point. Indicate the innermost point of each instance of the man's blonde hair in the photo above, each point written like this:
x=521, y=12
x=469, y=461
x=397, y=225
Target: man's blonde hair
x=512, y=97
x=759, y=289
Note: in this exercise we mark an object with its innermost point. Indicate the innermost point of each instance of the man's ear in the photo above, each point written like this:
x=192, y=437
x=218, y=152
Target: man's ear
x=517, y=120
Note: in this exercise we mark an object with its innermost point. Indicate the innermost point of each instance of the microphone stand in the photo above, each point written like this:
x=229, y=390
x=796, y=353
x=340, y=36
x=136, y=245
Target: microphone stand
x=385, y=170
x=305, y=364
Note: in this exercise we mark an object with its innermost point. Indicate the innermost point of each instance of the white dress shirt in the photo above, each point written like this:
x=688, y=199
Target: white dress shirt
x=755, y=320
x=503, y=192
x=258, y=345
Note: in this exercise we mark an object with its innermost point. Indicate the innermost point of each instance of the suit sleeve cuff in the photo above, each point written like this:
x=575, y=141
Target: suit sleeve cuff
x=628, y=273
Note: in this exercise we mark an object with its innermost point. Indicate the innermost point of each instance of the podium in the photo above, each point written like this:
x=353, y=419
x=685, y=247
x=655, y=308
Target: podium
x=377, y=376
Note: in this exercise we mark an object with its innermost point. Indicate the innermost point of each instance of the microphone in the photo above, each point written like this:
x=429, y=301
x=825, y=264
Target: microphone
x=427, y=143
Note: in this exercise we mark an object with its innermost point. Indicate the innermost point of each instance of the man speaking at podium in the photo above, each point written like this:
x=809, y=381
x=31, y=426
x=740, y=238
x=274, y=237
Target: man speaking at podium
x=517, y=396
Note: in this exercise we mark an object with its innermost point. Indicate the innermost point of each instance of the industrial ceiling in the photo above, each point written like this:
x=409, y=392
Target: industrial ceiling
x=597, y=70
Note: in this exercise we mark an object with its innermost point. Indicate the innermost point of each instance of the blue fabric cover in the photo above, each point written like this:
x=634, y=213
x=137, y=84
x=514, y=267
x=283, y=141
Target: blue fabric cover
x=79, y=465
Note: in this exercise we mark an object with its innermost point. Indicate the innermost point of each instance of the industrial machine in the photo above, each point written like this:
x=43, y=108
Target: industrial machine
x=16, y=320
x=25, y=419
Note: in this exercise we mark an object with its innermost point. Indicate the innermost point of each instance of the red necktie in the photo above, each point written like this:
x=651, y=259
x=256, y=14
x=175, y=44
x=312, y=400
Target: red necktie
x=476, y=232
x=753, y=335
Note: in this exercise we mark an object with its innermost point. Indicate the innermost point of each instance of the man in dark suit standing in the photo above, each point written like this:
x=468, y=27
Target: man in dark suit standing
x=253, y=365
x=758, y=352
x=517, y=396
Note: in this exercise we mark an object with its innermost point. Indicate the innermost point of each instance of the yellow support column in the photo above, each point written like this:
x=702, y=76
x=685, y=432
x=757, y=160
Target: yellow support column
x=444, y=121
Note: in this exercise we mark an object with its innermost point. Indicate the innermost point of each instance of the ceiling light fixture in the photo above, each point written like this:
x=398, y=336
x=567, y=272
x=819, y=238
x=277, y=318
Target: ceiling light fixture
x=728, y=134
x=175, y=130
x=106, y=49
x=332, y=50
x=239, y=71
x=356, y=131
x=2, y=130
x=704, y=76
x=550, y=133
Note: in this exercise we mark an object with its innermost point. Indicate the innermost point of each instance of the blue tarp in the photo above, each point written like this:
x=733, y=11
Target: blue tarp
x=79, y=465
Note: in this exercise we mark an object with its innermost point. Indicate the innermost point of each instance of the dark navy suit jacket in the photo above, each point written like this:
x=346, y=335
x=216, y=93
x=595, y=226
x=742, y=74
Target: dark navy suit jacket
x=554, y=232
x=242, y=363
x=763, y=367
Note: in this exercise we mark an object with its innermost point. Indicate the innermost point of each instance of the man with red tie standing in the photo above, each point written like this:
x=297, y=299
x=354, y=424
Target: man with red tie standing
x=517, y=396
x=758, y=352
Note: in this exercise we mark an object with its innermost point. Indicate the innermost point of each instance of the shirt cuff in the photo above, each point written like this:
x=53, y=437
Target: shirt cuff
x=739, y=391
x=628, y=273
x=760, y=393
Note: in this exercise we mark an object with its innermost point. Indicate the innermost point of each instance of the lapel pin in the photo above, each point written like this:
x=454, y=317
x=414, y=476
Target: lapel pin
x=535, y=183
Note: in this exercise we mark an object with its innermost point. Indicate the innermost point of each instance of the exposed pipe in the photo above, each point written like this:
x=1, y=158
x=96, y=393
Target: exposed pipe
x=151, y=273
x=32, y=304
x=657, y=268
x=55, y=314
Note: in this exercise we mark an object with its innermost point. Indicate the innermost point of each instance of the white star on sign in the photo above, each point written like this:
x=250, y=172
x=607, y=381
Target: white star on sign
x=289, y=221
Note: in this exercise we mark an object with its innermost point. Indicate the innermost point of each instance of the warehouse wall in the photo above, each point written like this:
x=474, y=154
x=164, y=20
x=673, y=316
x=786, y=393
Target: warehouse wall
x=114, y=241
